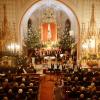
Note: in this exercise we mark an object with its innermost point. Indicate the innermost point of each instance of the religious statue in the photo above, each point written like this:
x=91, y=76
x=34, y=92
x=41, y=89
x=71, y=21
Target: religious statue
x=49, y=32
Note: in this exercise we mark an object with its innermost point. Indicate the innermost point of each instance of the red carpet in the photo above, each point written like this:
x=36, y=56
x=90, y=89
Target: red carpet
x=46, y=88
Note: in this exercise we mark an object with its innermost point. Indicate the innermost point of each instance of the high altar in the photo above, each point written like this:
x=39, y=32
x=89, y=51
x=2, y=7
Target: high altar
x=48, y=27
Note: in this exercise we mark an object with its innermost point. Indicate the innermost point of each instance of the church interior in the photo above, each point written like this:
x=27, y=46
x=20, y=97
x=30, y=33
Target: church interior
x=49, y=50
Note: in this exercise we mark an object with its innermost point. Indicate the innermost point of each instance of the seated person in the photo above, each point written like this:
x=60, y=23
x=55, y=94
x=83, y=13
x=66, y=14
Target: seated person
x=82, y=97
x=91, y=90
x=52, y=68
x=73, y=93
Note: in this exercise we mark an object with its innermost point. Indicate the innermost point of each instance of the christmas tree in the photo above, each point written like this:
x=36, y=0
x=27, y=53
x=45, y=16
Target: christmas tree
x=32, y=39
x=66, y=40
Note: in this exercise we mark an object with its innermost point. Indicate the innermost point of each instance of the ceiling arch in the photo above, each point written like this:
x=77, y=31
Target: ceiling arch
x=58, y=5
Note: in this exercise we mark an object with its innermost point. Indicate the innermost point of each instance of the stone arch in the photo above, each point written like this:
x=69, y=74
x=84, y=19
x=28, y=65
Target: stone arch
x=67, y=9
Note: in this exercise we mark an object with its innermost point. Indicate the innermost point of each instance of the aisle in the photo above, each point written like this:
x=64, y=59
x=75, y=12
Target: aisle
x=46, y=89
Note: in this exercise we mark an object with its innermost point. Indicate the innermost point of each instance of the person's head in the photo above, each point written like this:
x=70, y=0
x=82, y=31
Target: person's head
x=15, y=84
x=81, y=96
x=23, y=79
x=68, y=79
x=22, y=85
x=89, y=70
x=31, y=84
x=92, y=84
x=6, y=80
x=88, y=98
x=5, y=98
x=76, y=78
x=82, y=88
x=30, y=90
x=84, y=78
x=1, y=87
x=93, y=79
x=20, y=91
x=73, y=88
x=10, y=91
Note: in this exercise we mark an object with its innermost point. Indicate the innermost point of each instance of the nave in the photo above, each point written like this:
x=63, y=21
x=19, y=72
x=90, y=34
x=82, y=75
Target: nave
x=70, y=84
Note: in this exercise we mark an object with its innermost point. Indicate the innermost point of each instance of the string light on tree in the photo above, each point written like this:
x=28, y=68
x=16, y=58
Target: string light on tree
x=32, y=40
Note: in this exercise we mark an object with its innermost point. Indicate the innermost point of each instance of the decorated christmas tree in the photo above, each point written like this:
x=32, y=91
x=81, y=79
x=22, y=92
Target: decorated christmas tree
x=32, y=39
x=66, y=40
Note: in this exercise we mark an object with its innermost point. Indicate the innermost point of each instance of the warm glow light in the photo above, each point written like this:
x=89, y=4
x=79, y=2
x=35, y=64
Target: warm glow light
x=71, y=33
x=13, y=46
x=61, y=55
x=50, y=45
x=90, y=43
x=85, y=46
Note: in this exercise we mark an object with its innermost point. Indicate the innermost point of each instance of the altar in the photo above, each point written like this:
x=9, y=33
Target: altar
x=48, y=27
